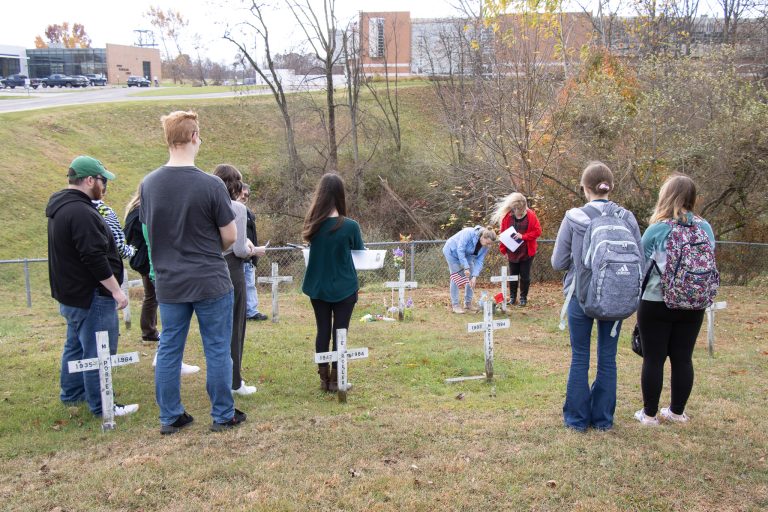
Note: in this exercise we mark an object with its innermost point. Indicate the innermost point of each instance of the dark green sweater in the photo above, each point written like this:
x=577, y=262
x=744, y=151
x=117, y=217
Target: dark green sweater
x=331, y=275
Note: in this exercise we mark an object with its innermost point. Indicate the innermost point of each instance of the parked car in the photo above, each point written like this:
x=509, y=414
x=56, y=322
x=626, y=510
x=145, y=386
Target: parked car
x=83, y=78
x=96, y=79
x=17, y=80
x=59, y=80
x=138, y=81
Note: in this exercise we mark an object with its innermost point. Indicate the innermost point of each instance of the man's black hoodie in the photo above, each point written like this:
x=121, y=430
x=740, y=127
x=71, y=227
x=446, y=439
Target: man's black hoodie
x=81, y=249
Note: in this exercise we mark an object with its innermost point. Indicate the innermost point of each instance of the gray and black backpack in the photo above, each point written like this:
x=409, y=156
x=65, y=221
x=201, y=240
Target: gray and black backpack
x=608, y=267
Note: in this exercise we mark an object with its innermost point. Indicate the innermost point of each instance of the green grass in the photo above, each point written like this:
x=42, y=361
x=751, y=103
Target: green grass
x=13, y=97
x=188, y=90
x=405, y=440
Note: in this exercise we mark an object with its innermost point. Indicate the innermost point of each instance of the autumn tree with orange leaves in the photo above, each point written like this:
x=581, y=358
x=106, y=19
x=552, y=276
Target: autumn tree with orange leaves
x=61, y=34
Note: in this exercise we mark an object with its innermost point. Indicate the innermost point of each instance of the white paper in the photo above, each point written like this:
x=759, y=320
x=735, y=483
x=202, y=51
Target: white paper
x=507, y=239
x=362, y=260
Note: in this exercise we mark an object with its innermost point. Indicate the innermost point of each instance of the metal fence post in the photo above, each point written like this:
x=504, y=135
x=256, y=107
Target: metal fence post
x=413, y=258
x=26, y=282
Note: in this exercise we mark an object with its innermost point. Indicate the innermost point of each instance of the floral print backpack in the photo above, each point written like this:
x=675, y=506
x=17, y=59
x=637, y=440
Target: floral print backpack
x=690, y=279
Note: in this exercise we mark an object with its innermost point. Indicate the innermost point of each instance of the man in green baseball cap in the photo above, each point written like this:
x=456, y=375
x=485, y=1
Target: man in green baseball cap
x=85, y=272
x=84, y=166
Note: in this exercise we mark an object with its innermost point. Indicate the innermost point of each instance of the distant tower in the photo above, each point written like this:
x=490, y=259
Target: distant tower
x=145, y=38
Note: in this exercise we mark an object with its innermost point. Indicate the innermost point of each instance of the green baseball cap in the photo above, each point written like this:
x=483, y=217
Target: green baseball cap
x=84, y=166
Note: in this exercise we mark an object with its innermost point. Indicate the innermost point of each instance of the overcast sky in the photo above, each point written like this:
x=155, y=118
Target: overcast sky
x=114, y=22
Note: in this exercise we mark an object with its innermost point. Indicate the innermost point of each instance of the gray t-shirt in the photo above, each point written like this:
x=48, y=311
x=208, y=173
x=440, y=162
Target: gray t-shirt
x=183, y=208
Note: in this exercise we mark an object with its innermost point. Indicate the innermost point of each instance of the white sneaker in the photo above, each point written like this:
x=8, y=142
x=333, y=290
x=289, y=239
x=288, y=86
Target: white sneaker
x=644, y=419
x=125, y=410
x=244, y=389
x=186, y=369
x=189, y=369
x=458, y=310
x=668, y=415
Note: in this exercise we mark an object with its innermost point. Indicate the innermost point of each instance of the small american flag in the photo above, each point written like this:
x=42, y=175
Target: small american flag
x=460, y=279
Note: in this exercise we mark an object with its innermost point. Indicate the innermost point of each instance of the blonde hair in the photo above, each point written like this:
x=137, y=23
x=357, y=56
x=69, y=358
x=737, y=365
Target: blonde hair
x=488, y=233
x=134, y=202
x=178, y=127
x=597, y=177
x=676, y=197
x=506, y=205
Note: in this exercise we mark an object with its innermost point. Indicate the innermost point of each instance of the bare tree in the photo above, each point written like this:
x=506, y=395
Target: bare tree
x=170, y=24
x=733, y=12
x=388, y=99
x=353, y=68
x=321, y=35
x=271, y=78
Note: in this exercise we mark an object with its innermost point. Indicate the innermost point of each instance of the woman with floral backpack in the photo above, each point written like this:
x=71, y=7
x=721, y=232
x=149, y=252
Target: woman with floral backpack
x=681, y=283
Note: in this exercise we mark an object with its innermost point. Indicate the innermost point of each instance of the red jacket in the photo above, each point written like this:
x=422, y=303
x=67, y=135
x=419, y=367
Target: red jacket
x=530, y=236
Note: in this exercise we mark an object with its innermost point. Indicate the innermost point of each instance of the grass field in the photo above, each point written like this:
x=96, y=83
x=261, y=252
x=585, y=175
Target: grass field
x=405, y=440
x=188, y=90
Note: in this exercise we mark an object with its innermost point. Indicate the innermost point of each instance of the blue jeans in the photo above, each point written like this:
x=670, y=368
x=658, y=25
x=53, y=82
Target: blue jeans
x=82, y=326
x=251, y=295
x=454, y=265
x=587, y=406
x=214, y=317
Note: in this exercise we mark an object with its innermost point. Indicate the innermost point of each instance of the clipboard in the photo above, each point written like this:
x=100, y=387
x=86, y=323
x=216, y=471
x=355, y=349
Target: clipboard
x=507, y=239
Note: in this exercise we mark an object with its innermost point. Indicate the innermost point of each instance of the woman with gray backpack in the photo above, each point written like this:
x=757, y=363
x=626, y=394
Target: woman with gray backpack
x=682, y=282
x=599, y=247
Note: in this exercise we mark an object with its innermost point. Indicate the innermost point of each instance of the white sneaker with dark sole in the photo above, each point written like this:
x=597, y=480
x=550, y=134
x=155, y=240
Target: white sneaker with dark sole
x=668, y=415
x=644, y=419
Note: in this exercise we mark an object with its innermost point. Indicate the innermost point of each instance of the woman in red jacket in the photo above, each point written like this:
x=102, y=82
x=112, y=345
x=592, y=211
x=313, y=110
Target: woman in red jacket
x=513, y=211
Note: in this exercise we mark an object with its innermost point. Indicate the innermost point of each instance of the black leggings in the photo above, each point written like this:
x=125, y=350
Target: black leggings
x=667, y=333
x=522, y=269
x=330, y=316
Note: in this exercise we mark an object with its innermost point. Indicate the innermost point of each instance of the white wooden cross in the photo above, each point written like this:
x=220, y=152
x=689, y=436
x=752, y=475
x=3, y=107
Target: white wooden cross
x=104, y=363
x=401, y=285
x=126, y=286
x=342, y=356
x=487, y=326
x=275, y=279
x=504, y=279
x=711, y=325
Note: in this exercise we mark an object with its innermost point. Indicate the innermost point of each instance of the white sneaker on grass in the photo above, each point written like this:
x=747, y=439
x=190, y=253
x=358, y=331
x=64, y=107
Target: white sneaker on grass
x=668, y=415
x=186, y=369
x=244, y=389
x=125, y=410
x=644, y=419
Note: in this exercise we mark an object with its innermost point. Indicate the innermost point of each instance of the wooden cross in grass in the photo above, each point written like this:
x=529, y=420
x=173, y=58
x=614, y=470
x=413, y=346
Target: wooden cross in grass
x=275, y=279
x=487, y=326
x=504, y=279
x=711, y=325
x=104, y=363
x=341, y=356
x=401, y=285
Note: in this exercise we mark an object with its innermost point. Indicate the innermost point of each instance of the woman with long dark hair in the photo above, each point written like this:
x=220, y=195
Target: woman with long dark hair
x=235, y=255
x=330, y=280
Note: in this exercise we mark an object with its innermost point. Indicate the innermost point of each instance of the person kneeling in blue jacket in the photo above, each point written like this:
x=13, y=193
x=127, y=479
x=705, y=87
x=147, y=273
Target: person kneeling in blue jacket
x=465, y=252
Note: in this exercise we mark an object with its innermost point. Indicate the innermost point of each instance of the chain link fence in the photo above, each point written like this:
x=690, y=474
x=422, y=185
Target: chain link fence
x=740, y=263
